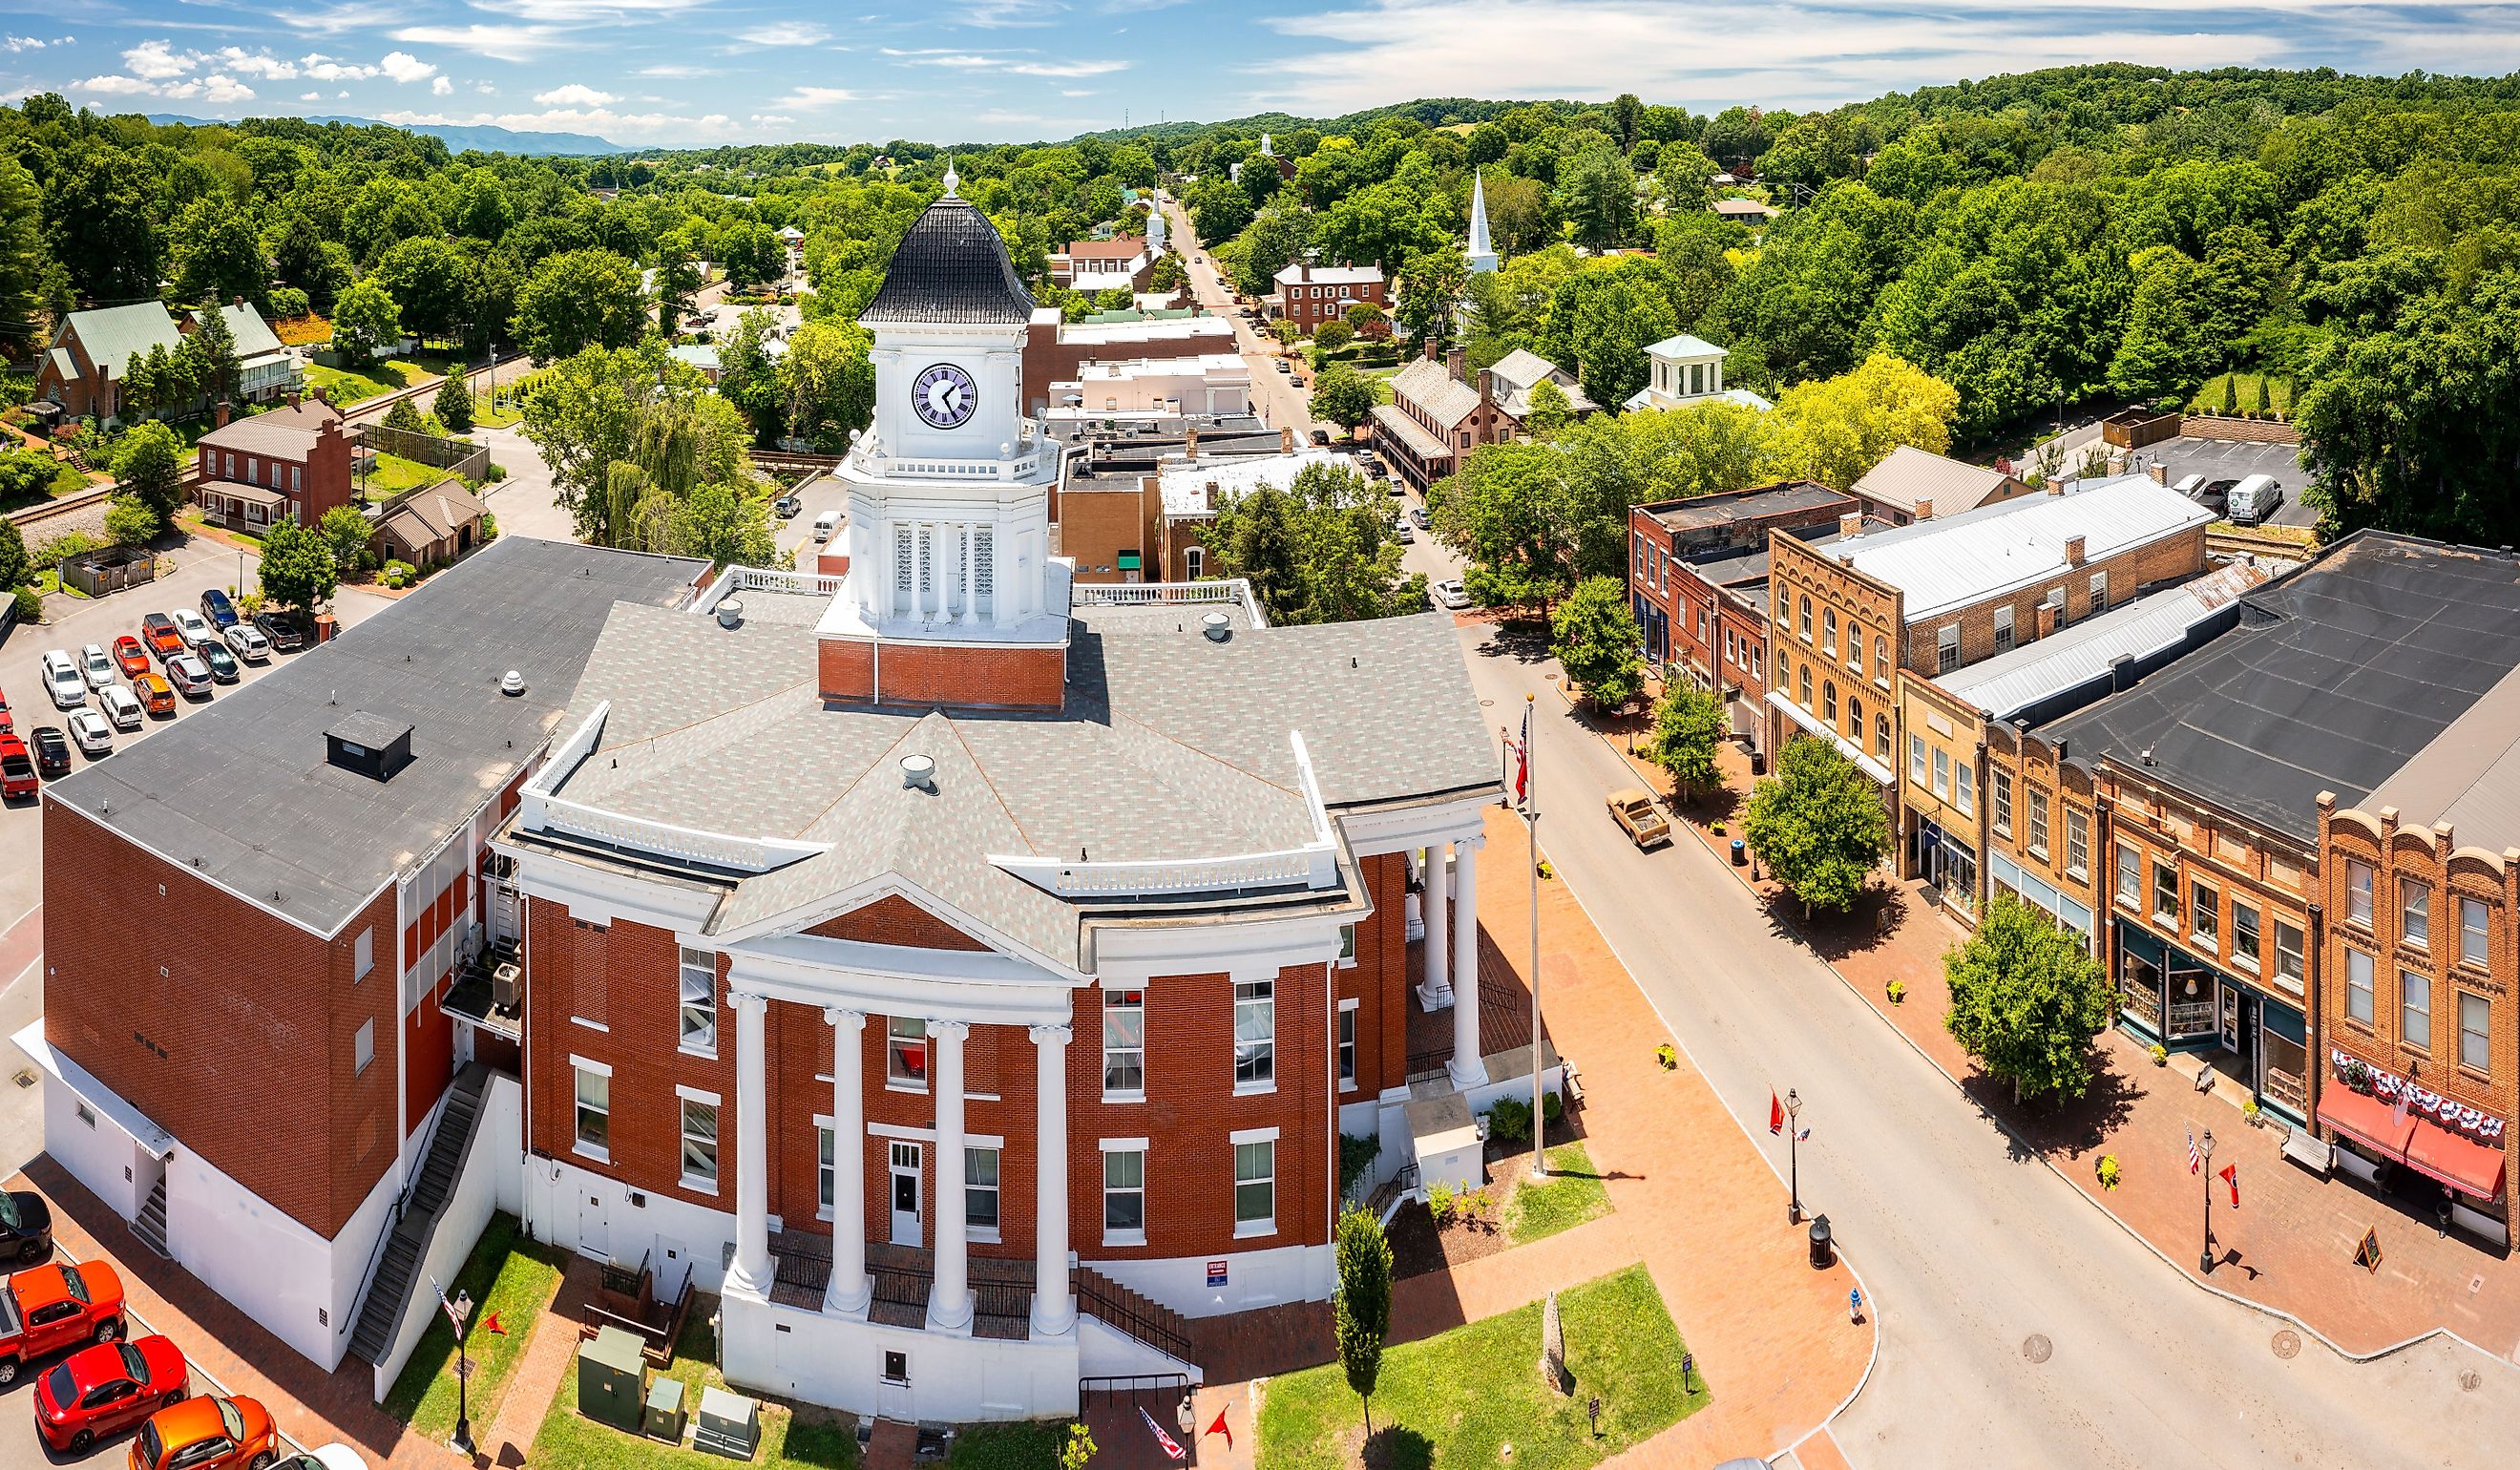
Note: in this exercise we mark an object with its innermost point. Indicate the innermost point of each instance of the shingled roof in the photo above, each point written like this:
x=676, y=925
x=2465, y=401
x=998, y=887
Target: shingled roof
x=951, y=268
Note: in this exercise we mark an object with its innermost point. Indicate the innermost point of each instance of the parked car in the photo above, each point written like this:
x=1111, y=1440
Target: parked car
x=214, y=1432
x=96, y=666
x=91, y=734
x=16, y=769
x=159, y=633
x=825, y=525
x=281, y=631
x=1636, y=813
x=2255, y=498
x=156, y=695
x=1376, y=470
x=1297, y=379
x=2214, y=496
x=1419, y=515
x=121, y=706
x=1402, y=530
x=50, y=1307
x=325, y=1457
x=2188, y=483
x=1450, y=595
x=51, y=753
x=788, y=506
x=213, y=650
x=189, y=675
x=8, y=721
x=106, y=1389
x=1285, y=366
x=246, y=642
x=1321, y=438
x=216, y=608
x=130, y=658
x=61, y=681
x=192, y=625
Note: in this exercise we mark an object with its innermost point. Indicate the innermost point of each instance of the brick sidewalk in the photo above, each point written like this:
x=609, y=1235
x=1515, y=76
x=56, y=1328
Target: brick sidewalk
x=2289, y=1248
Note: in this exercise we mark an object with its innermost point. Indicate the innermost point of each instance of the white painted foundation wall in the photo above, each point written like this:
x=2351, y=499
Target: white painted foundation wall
x=293, y=1281
x=1253, y=1279
x=581, y=1211
x=493, y=1149
x=840, y=1361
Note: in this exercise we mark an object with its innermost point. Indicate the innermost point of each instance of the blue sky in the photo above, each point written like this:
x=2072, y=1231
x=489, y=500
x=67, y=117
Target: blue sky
x=691, y=72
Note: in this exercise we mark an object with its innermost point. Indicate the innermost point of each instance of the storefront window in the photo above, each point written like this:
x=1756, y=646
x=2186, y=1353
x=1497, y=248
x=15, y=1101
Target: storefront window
x=2286, y=1060
x=2472, y=1032
x=2139, y=988
x=2358, y=987
x=2415, y=1008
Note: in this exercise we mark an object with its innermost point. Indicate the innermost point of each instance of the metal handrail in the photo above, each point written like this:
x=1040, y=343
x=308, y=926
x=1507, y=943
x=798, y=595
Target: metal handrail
x=1121, y=1386
x=1106, y=1306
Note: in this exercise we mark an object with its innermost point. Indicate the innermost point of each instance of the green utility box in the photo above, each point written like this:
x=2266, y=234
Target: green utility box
x=665, y=1409
x=612, y=1380
x=730, y=1424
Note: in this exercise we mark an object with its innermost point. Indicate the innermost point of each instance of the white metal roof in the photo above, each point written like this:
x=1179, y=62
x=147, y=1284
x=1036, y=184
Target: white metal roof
x=1685, y=347
x=2032, y=671
x=1953, y=561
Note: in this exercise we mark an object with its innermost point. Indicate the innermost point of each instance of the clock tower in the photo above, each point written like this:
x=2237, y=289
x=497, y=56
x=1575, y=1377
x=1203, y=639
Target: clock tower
x=951, y=595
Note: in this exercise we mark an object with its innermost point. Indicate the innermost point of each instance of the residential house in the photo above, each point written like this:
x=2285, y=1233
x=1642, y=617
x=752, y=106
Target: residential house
x=90, y=355
x=1310, y=294
x=430, y=525
x=1123, y=262
x=1913, y=484
x=286, y=464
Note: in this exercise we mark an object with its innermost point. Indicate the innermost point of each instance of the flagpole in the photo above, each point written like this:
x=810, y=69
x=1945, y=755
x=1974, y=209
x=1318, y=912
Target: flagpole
x=1531, y=827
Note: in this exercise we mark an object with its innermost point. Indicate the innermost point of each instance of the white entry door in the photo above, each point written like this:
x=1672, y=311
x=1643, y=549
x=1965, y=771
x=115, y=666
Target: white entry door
x=594, y=1231
x=906, y=1214
x=2230, y=1017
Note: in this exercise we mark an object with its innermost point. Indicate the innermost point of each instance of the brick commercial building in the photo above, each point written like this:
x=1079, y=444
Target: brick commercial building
x=1310, y=294
x=966, y=973
x=291, y=464
x=1125, y=520
x=1440, y=411
x=1055, y=350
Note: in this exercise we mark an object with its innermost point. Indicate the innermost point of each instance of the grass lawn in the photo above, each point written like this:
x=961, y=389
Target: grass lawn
x=2210, y=396
x=1573, y=1195
x=508, y=1275
x=1009, y=1446
x=1460, y=1397
x=487, y=417
x=394, y=474
x=826, y=1441
x=347, y=387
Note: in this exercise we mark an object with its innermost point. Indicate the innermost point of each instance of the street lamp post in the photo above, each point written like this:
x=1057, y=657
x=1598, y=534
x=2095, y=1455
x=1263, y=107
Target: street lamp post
x=463, y=1310
x=1793, y=1158
x=2205, y=1260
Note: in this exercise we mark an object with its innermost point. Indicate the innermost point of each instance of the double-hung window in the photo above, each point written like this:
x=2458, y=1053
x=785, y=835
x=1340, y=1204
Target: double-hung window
x=1347, y=1012
x=1942, y=772
x=2472, y=941
x=1965, y=787
x=2003, y=630
x=1124, y=1194
x=2003, y=790
x=2357, y=892
x=826, y=1168
x=1828, y=630
x=1806, y=619
x=1946, y=648
x=2165, y=895
x=2244, y=934
x=2288, y=961
x=2414, y=912
x=2038, y=822
x=2473, y=1010
x=1881, y=660
x=700, y=1144
x=1916, y=759
x=2129, y=875
x=593, y=1109
x=2205, y=915
x=2415, y=1008
x=1255, y=1182
x=1256, y=1034
x=2078, y=842
x=1124, y=1044
x=905, y=1053
x=699, y=1001
x=2358, y=986
x=980, y=1189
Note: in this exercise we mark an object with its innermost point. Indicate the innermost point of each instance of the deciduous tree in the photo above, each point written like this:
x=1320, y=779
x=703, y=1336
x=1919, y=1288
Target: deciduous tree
x=1341, y=394
x=1688, y=728
x=298, y=569
x=578, y=299
x=2027, y=997
x=149, y=466
x=1818, y=825
x=1835, y=429
x=1595, y=638
x=365, y=319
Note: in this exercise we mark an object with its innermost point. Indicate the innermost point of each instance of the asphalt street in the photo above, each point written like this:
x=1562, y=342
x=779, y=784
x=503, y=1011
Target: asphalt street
x=1970, y=1246
x=1274, y=395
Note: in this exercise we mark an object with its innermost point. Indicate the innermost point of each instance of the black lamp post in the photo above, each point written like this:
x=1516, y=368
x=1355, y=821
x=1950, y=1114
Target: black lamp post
x=2205, y=1260
x=1793, y=1158
x=462, y=1440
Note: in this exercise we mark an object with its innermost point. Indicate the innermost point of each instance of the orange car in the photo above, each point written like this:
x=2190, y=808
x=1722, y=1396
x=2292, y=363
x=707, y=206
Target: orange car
x=208, y=1432
x=156, y=695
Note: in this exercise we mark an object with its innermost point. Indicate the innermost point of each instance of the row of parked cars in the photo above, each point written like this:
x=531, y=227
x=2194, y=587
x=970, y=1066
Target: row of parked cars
x=175, y=654
x=102, y=1382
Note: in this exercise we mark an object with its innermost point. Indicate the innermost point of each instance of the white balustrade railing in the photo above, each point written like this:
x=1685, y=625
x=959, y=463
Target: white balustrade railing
x=737, y=579
x=1235, y=592
x=664, y=840
x=1018, y=466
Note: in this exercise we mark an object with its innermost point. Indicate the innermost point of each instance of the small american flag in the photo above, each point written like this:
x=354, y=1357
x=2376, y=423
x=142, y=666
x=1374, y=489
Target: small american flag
x=1171, y=1446
x=2196, y=1159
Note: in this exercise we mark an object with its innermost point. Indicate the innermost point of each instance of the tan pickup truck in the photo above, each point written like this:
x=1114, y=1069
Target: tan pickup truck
x=1634, y=809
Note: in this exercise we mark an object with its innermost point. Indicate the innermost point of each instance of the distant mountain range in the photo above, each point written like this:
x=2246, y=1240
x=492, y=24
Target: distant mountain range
x=489, y=139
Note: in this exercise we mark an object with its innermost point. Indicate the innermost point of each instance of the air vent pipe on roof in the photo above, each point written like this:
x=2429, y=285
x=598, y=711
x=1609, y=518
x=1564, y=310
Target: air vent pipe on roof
x=729, y=612
x=1217, y=626
x=918, y=773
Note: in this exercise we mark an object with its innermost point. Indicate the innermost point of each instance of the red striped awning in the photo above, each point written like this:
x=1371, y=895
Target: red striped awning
x=2367, y=1118
x=2466, y=1166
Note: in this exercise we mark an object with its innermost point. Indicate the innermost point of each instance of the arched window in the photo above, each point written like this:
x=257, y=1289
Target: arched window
x=1806, y=621
x=1854, y=718
x=1828, y=702
x=1806, y=685
x=1828, y=630
x=1881, y=658
x=1881, y=737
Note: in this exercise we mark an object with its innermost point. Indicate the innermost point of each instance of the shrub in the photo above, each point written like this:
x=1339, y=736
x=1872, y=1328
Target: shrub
x=1440, y=1200
x=1509, y=1121
x=30, y=605
x=2108, y=1171
x=1356, y=1155
x=1897, y=991
x=1553, y=1105
x=399, y=574
x=1666, y=1056
x=2160, y=1055
x=489, y=526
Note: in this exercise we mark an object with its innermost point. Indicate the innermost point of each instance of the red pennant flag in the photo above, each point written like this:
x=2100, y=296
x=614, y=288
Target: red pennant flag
x=2232, y=1177
x=1219, y=1427
x=1776, y=1113
x=491, y=1322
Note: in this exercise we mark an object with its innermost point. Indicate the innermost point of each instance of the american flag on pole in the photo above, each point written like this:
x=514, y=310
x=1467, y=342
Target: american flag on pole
x=1171, y=1446
x=2196, y=1159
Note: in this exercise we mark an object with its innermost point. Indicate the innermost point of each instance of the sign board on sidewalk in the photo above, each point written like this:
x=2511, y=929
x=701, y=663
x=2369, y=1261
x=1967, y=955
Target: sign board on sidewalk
x=2368, y=1254
x=1216, y=1273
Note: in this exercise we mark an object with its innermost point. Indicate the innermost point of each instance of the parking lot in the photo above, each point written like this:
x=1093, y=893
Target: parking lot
x=2222, y=460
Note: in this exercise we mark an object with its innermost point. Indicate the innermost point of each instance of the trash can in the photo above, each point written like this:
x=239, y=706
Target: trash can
x=1740, y=852
x=1821, y=1256
x=1758, y=763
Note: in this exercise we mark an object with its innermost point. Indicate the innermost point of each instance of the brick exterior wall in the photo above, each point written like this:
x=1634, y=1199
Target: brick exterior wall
x=227, y=1026
x=1379, y=981
x=1096, y=522
x=2238, y=430
x=922, y=674
x=1308, y=304
x=896, y=920
x=1947, y=789
x=1047, y=360
x=2017, y=766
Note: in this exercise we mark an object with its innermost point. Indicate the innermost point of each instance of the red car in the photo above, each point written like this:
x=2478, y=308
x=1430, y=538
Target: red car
x=159, y=633
x=105, y=1389
x=16, y=768
x=130, y=658
x=50, y=1307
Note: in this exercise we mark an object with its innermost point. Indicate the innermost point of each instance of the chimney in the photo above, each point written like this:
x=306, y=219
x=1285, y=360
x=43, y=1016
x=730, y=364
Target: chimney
x=219, y=414
x=1287, y=438
x=1430, y=349
x=2045, y=621
x=1924, y=509
x=2072, y=550
x=1850, y=523
x=1192, y=443
x=1215, y=494
x=1455, y=362
x=1487, y=387
x=2055, y=484
x=2160, y=473
x=293, y=398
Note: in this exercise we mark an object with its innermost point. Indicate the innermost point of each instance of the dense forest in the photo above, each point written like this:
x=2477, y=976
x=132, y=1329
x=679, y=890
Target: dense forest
x=2062, y=237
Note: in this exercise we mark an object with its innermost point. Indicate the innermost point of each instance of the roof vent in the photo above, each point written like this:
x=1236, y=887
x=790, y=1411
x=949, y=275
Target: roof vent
x=511, y=682
x=2147, y=755
x=730, y=612
x=369, y=746
x=1217, y=626
x=918, y=772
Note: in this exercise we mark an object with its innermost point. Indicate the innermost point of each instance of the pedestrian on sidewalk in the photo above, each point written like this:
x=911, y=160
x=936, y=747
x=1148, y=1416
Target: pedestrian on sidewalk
x=1855, y=1305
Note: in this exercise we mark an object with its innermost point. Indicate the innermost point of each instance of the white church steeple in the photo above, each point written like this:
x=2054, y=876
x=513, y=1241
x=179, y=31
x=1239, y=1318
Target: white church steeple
x=1483, y=256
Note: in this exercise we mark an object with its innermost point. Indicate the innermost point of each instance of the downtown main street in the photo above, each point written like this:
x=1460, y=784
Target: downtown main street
x=1969, y=1245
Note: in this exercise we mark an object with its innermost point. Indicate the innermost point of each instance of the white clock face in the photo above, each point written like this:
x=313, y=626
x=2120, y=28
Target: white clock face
x=945, y=396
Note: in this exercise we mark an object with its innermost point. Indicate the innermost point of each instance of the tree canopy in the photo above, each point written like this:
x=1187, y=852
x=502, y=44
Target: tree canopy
x=2027, y=997
x=1818, y=825
x=1323, y=550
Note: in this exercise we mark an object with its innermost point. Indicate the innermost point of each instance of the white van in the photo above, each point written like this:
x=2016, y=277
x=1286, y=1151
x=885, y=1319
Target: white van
x=825, y=524
x=2255, y=498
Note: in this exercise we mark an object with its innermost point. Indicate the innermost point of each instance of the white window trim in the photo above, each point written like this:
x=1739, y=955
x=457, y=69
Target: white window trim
x=694, y=1094
x=825, y=1123
x=577, y=1145
x=1352, y=1003
x=1246, y=1229
x=985, y=1235
x=584, y=1065
x=691, y=1183
x=1138, y=1146
x=591, y=1025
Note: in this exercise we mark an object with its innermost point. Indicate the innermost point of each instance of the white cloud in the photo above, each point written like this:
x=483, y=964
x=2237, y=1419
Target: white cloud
x=771, y=119
x=405, y=67
x=485, y=89
x=1077, y=92
x=114, y=86
x=157, y=61
x=574, y=95
x=20, y=43
x=442, y=86
x=260, y=64
x=310, y=97
x=219, y=87
x=659, y=128
x=1006, y=63
x=785, y=33
x=805, y=99
x=1065, y=68
x=322, y=68
x=504, y=43
x=677, y=71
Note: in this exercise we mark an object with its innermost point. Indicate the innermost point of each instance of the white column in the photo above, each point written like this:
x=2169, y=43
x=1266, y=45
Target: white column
x=1002, y=596
x=971, y=590
x=850, y=1288
x=1469, y=1069
x=751, y=1271
x=949, y=1300
x=1054, y=1305
x=1436, y=991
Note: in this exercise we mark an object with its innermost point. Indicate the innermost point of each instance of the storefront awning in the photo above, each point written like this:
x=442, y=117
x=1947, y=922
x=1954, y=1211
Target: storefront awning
x=2419, y=1143
x=1846, y=748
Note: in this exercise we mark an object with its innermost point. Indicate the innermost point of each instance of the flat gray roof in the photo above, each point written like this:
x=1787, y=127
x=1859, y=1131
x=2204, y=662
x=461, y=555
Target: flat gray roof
x=242, y=790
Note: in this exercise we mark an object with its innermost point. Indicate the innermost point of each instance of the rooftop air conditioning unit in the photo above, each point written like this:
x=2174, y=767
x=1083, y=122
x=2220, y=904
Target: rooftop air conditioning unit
x=506, y=986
